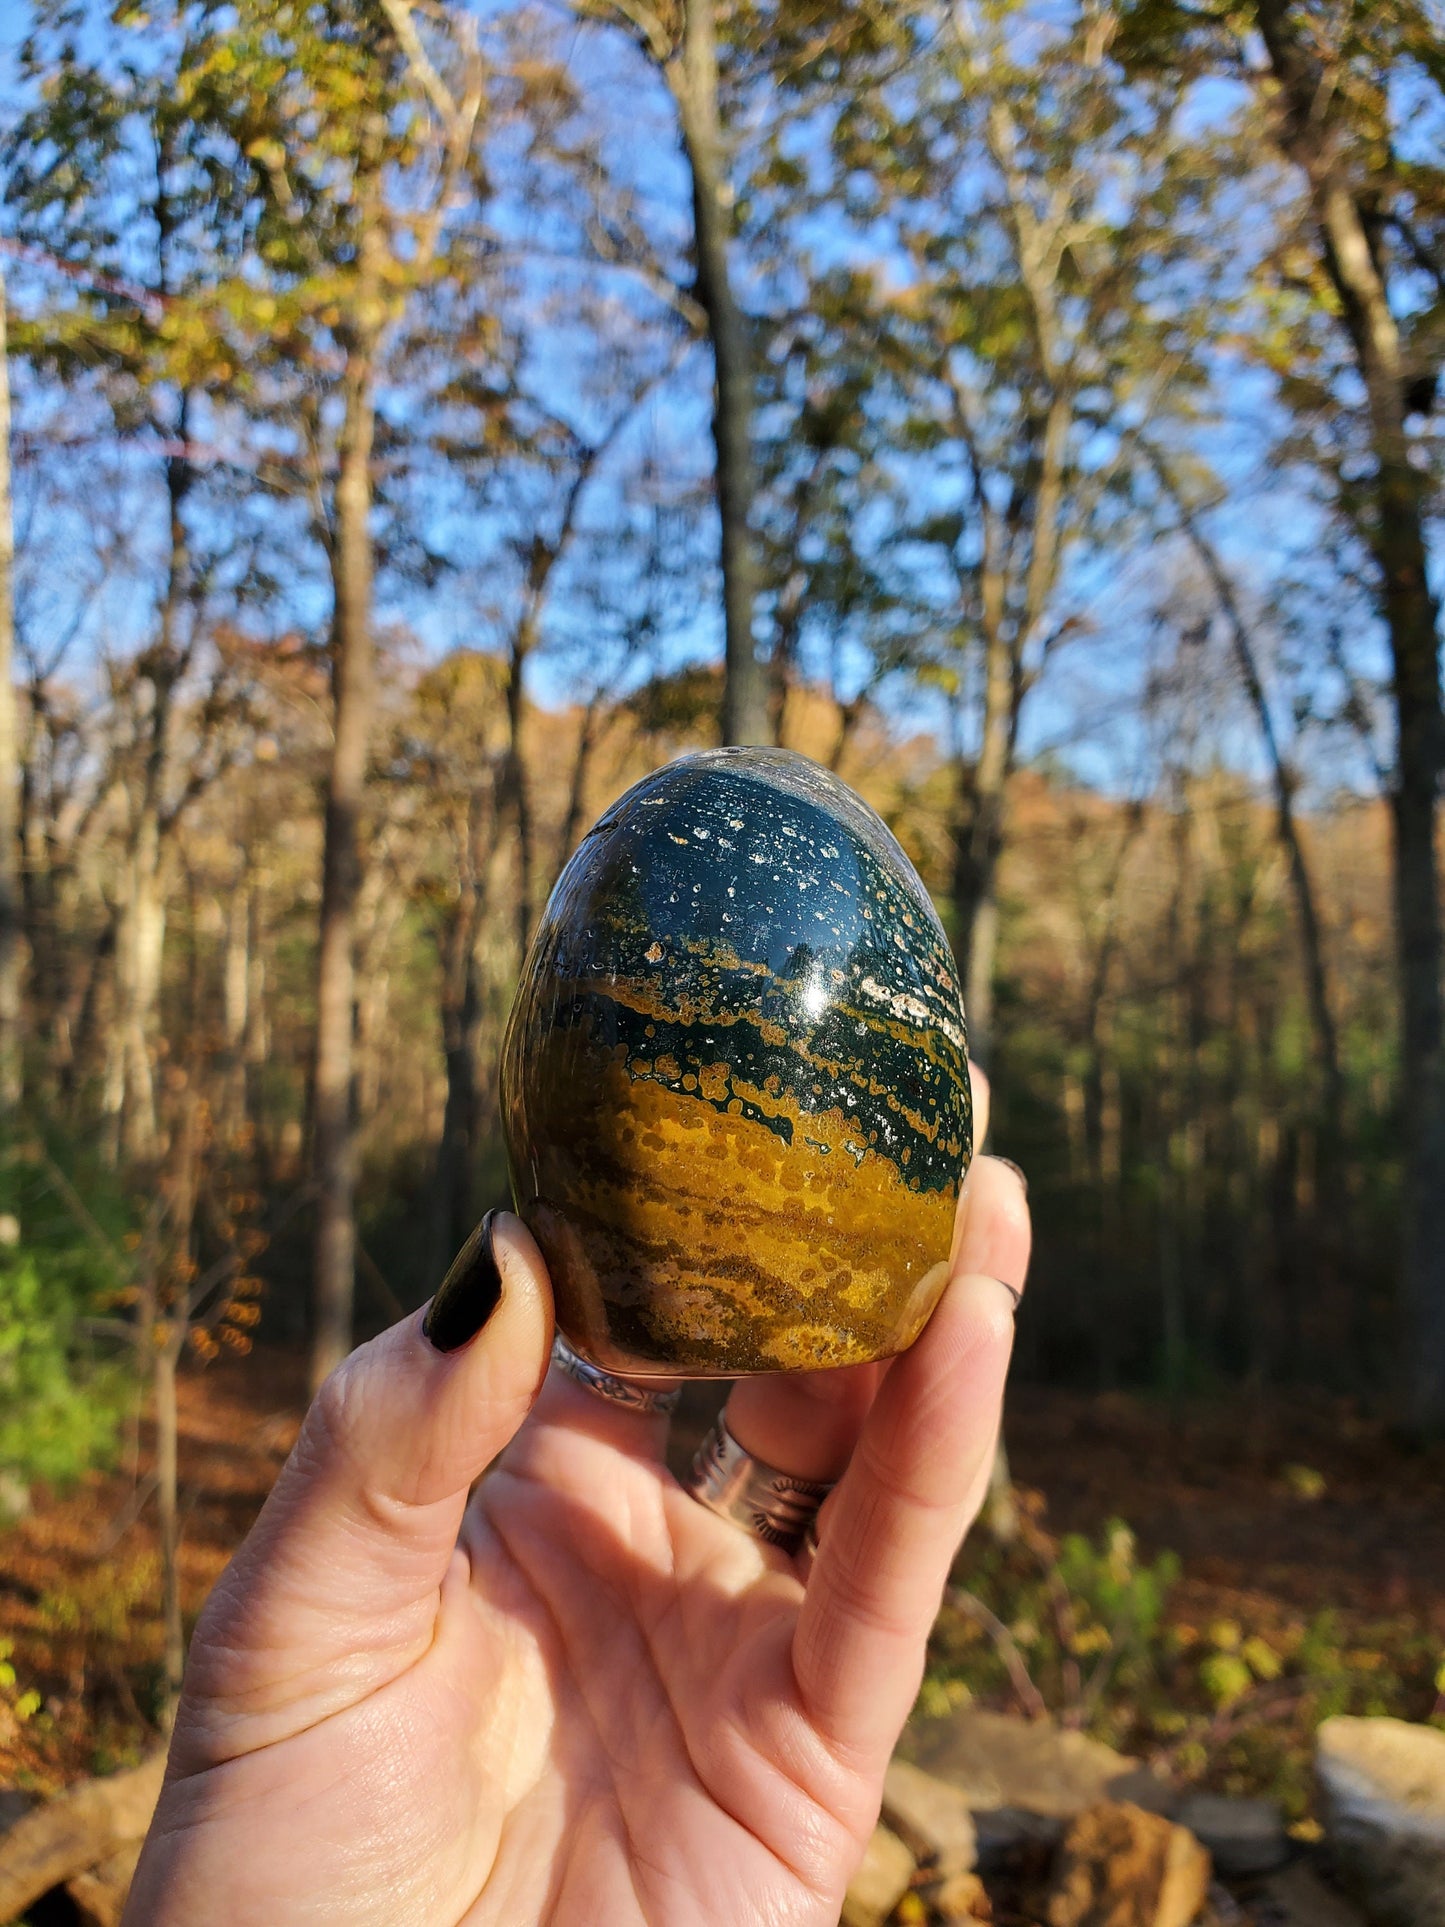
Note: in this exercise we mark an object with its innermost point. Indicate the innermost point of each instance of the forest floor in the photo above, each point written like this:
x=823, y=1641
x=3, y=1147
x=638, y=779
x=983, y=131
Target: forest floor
x=1298, y=1524
x=1310, y=1545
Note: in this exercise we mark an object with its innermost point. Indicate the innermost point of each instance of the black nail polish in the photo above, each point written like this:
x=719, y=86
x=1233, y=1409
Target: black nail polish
x=469, y=1294
x=1017, y=1170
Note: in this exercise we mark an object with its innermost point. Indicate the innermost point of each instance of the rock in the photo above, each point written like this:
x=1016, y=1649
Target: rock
x=1384, y=1791
x=100, y=1894
x=721, y=928
x=14, y=1805
x=1123, y=1867
x=1245, y=1838
x=959, y=1900
x=1036, y=1766
x=79, y=1829
x=1223, y=1910
x=930, y=1817
x=1007, y=1838
x=880, y=1883
x=1300, y=1898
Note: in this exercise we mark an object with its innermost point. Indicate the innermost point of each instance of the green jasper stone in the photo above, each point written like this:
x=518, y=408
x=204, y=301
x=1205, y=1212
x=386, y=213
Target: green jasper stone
x=735, y=1078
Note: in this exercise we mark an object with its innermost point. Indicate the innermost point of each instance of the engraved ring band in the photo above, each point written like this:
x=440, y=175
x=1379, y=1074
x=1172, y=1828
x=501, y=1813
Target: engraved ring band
x=772, y=1505
x=632, y=1395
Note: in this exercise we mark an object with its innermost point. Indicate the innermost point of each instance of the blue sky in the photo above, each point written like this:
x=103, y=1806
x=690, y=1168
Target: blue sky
x=1084, y=710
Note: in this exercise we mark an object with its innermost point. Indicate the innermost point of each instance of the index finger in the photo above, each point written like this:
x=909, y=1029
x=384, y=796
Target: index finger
x=982, y=1103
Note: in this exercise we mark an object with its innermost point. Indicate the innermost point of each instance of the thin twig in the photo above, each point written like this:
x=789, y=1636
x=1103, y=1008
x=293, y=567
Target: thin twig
x=390, y=1302
x=1062, y=1606
x=82, y=1211
x=121, y=1524
x=1029, y=1696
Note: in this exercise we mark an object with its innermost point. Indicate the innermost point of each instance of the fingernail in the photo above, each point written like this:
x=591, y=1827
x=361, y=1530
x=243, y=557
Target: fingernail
x=1012, y=1290
x=1017, y=1170
x=469, y=1294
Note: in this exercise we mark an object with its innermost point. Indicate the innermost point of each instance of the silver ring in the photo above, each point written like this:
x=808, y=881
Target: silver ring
x=633, y=1395
x=770, y=1504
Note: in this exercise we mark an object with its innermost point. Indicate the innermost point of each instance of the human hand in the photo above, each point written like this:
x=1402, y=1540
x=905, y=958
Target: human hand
x=575, y=1696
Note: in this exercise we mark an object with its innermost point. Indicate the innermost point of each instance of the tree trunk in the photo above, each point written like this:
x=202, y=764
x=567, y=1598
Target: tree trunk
x=257, y=1042
x=10, y=950
x=37, y=882
x=93, y=981
x=352, y=674
x=184, y=1182
x=236, y=972
x=1103, y=1151
x=130, y=1127
x=977, y=844
x=461, y=1036
x=518, y=790
x=139, y=949
x=1349, y=244
x=1327, y=1046
x=131, y=1124
x=1421, y=953
x=167, y=1357
x=1174, y=1109
x=695, y=84
x=235, y=1017
x=589, y=730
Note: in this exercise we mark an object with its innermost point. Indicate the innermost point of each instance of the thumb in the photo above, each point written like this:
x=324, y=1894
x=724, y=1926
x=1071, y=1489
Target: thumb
x=336, y=1588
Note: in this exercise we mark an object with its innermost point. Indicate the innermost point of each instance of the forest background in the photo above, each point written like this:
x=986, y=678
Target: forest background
x=423, y=419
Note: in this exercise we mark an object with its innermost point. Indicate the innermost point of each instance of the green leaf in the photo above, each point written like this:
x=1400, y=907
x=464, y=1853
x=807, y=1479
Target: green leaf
x=1226, y=1678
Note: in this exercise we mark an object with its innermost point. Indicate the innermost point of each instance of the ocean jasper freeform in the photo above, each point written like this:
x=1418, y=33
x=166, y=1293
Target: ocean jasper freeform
x=735, y=1079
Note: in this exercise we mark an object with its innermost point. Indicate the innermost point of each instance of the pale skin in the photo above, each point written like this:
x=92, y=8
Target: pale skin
x=570, y=1694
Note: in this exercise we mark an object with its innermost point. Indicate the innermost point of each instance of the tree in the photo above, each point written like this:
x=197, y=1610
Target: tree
x=1024, y=201
x=356, y=140
x=10, y=953
x=1332, y=85
x=455, y=755
x=681, y=38
x=111, y=175
x=67, y=931
x=1286, y=779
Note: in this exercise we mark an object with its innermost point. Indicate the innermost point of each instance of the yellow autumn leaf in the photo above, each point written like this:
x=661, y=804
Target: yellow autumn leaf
x=1261, y=1658
x=1225, y=1678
